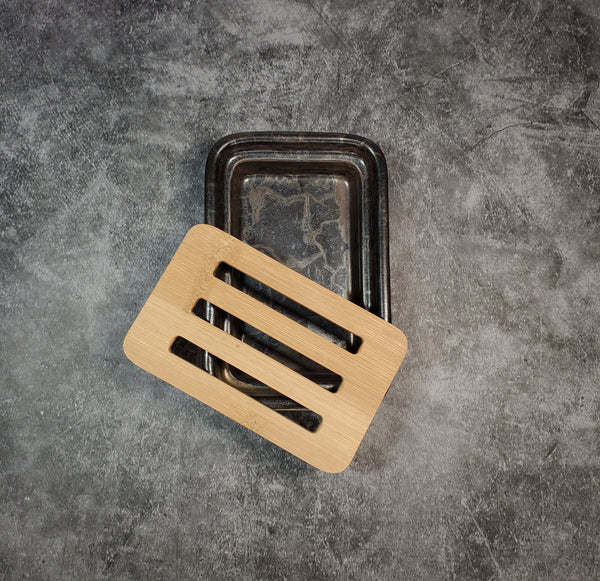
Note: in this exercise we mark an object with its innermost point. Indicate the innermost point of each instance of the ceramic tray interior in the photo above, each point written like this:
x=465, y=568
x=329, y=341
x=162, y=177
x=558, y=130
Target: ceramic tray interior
x=315, y=202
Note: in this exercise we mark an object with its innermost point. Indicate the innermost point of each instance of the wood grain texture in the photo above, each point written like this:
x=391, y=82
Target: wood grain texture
x=366, y=375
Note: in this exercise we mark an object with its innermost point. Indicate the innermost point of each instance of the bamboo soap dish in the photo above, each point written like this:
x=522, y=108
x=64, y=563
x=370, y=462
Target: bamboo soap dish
x=168, y=316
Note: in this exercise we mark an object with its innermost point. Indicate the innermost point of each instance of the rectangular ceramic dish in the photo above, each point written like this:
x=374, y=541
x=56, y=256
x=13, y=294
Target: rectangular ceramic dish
x=317, y=203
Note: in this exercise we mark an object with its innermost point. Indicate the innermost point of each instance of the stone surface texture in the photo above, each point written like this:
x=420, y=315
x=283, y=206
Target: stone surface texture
x=483, y=461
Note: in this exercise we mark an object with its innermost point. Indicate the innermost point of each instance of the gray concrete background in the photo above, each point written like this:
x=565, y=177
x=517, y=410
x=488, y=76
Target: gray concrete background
x=484, y=459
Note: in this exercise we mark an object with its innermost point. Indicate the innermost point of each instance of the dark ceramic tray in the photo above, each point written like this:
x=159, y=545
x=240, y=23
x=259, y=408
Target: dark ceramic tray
x=316, y=202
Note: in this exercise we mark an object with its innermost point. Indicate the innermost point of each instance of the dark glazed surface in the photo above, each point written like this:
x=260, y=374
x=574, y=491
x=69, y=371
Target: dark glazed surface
x=483, y=461
x=300, y=220
x=317, y=203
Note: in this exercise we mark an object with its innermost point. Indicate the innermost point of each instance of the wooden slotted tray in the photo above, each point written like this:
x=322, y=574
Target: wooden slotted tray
x=366, y=374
